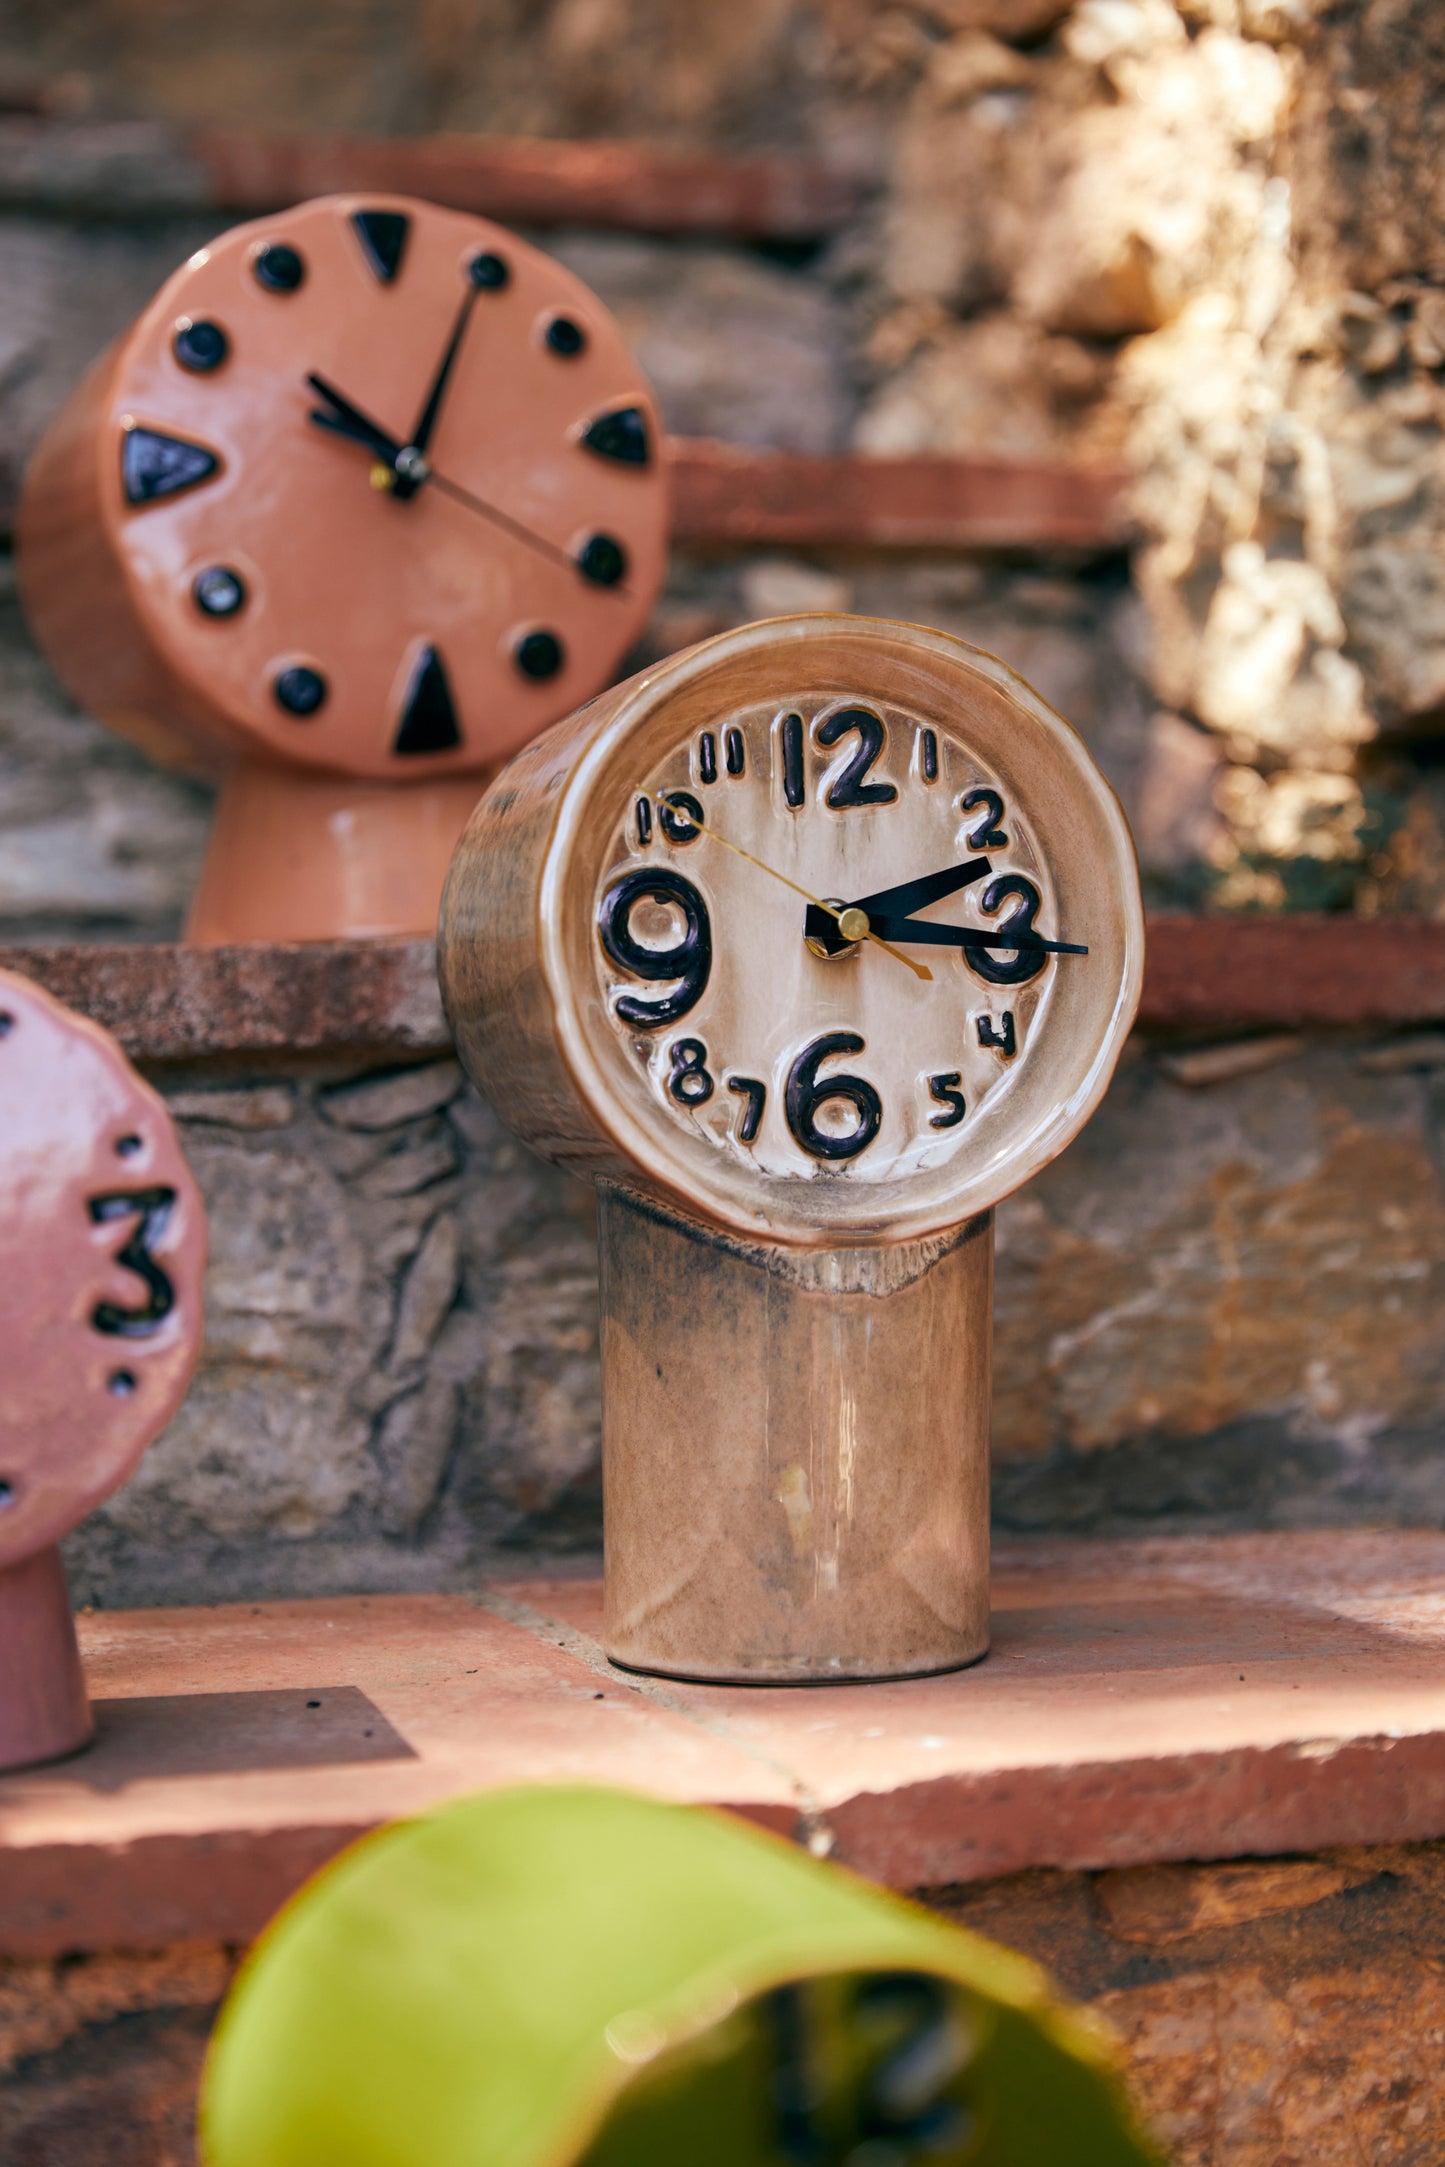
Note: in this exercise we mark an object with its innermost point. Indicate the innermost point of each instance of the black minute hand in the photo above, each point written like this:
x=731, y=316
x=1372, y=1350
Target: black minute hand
x=426, y=422
x=925, y=934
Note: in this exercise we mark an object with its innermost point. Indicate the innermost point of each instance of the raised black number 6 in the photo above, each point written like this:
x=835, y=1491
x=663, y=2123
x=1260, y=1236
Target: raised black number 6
x=687, y=961
x=805, y=1093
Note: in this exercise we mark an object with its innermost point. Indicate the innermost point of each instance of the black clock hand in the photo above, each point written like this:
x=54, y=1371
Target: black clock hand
x=421, y=435
x=913, y=895
x=825, y=927
x=371, y=439
x=920, y=932
x=360, y=427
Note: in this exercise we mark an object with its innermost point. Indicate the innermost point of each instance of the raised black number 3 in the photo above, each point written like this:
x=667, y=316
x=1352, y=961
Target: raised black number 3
x=1000, y=966
x=152, y=1209
x=850, y=787
x=688, y=960
x=689, y=1081
x=986, y=834
x=805, y=1093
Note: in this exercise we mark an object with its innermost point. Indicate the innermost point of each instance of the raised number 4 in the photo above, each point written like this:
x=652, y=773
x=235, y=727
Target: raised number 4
x=1003, y=1039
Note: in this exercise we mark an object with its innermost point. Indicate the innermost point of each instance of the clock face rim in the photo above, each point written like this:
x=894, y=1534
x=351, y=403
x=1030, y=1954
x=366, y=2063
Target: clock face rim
x=751, y=1204
x=206, y=707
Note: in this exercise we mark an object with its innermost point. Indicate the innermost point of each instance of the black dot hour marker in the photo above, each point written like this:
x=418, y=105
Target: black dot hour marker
x=199, y=345
x=792, y=735
x=489, y=271
x=153, y=465
x=218, y=591
x=603, y=560
x=383, y=237
x=565, y=336
x=279, y=267
x=428, y=715
x=644, y=823
x=621, y=435
x=538, y=654
x=299, y=690
x=930, y=756
x=733, y=751
x=707, y=757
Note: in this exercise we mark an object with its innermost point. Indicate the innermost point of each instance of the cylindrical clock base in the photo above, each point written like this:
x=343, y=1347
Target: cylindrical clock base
x=795, y=1452
x=300, y=856
x=44, y=1712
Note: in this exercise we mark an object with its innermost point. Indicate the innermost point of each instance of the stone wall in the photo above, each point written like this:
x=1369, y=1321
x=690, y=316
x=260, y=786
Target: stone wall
x=1199, y=234
x=1223, y=1307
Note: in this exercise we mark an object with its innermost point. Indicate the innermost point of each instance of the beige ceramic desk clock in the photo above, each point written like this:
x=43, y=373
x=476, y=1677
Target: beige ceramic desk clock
x=367, y=496
x=807, y=947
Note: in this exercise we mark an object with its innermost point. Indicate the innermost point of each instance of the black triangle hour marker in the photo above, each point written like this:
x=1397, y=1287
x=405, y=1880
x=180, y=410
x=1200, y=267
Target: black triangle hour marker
x=620, y=435
x=152, y=465
x=428, y=718
x=383, y=235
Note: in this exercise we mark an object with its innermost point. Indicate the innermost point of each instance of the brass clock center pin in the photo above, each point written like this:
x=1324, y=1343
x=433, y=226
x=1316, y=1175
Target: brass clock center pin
x=853, y=924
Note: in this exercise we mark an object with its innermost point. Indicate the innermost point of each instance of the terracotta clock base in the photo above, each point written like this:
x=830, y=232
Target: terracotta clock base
x=44, y=1712
x=302, y=856
x=795, y=1452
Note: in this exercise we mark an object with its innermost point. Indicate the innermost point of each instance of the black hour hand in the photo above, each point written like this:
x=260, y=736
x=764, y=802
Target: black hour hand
x=912, y=895
x=348, y=420
x=821, y=926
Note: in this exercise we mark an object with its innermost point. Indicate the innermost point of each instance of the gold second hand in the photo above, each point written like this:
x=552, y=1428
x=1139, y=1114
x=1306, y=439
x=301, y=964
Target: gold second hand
x=919, y=970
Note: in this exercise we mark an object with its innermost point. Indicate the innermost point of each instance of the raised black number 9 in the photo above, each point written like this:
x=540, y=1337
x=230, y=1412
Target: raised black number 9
x=687, y=962
x=998, y=965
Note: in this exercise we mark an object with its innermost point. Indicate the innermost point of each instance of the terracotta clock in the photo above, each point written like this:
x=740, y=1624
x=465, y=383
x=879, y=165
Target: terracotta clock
x=807, y=946
x=367, y=496
x=102, y=1248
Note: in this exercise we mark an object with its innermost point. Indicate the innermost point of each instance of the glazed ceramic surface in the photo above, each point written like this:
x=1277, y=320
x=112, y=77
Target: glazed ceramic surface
x=808, y=946
x=371, y=486
x=738, y=934
x=102, y=1249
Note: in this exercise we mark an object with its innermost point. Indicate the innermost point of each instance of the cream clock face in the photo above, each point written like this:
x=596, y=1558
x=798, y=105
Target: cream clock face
x=795, y=1051
x=850, y=934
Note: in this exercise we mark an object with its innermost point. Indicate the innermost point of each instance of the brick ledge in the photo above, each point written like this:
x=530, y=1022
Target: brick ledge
x=378, y=999
x=1195, y=1699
